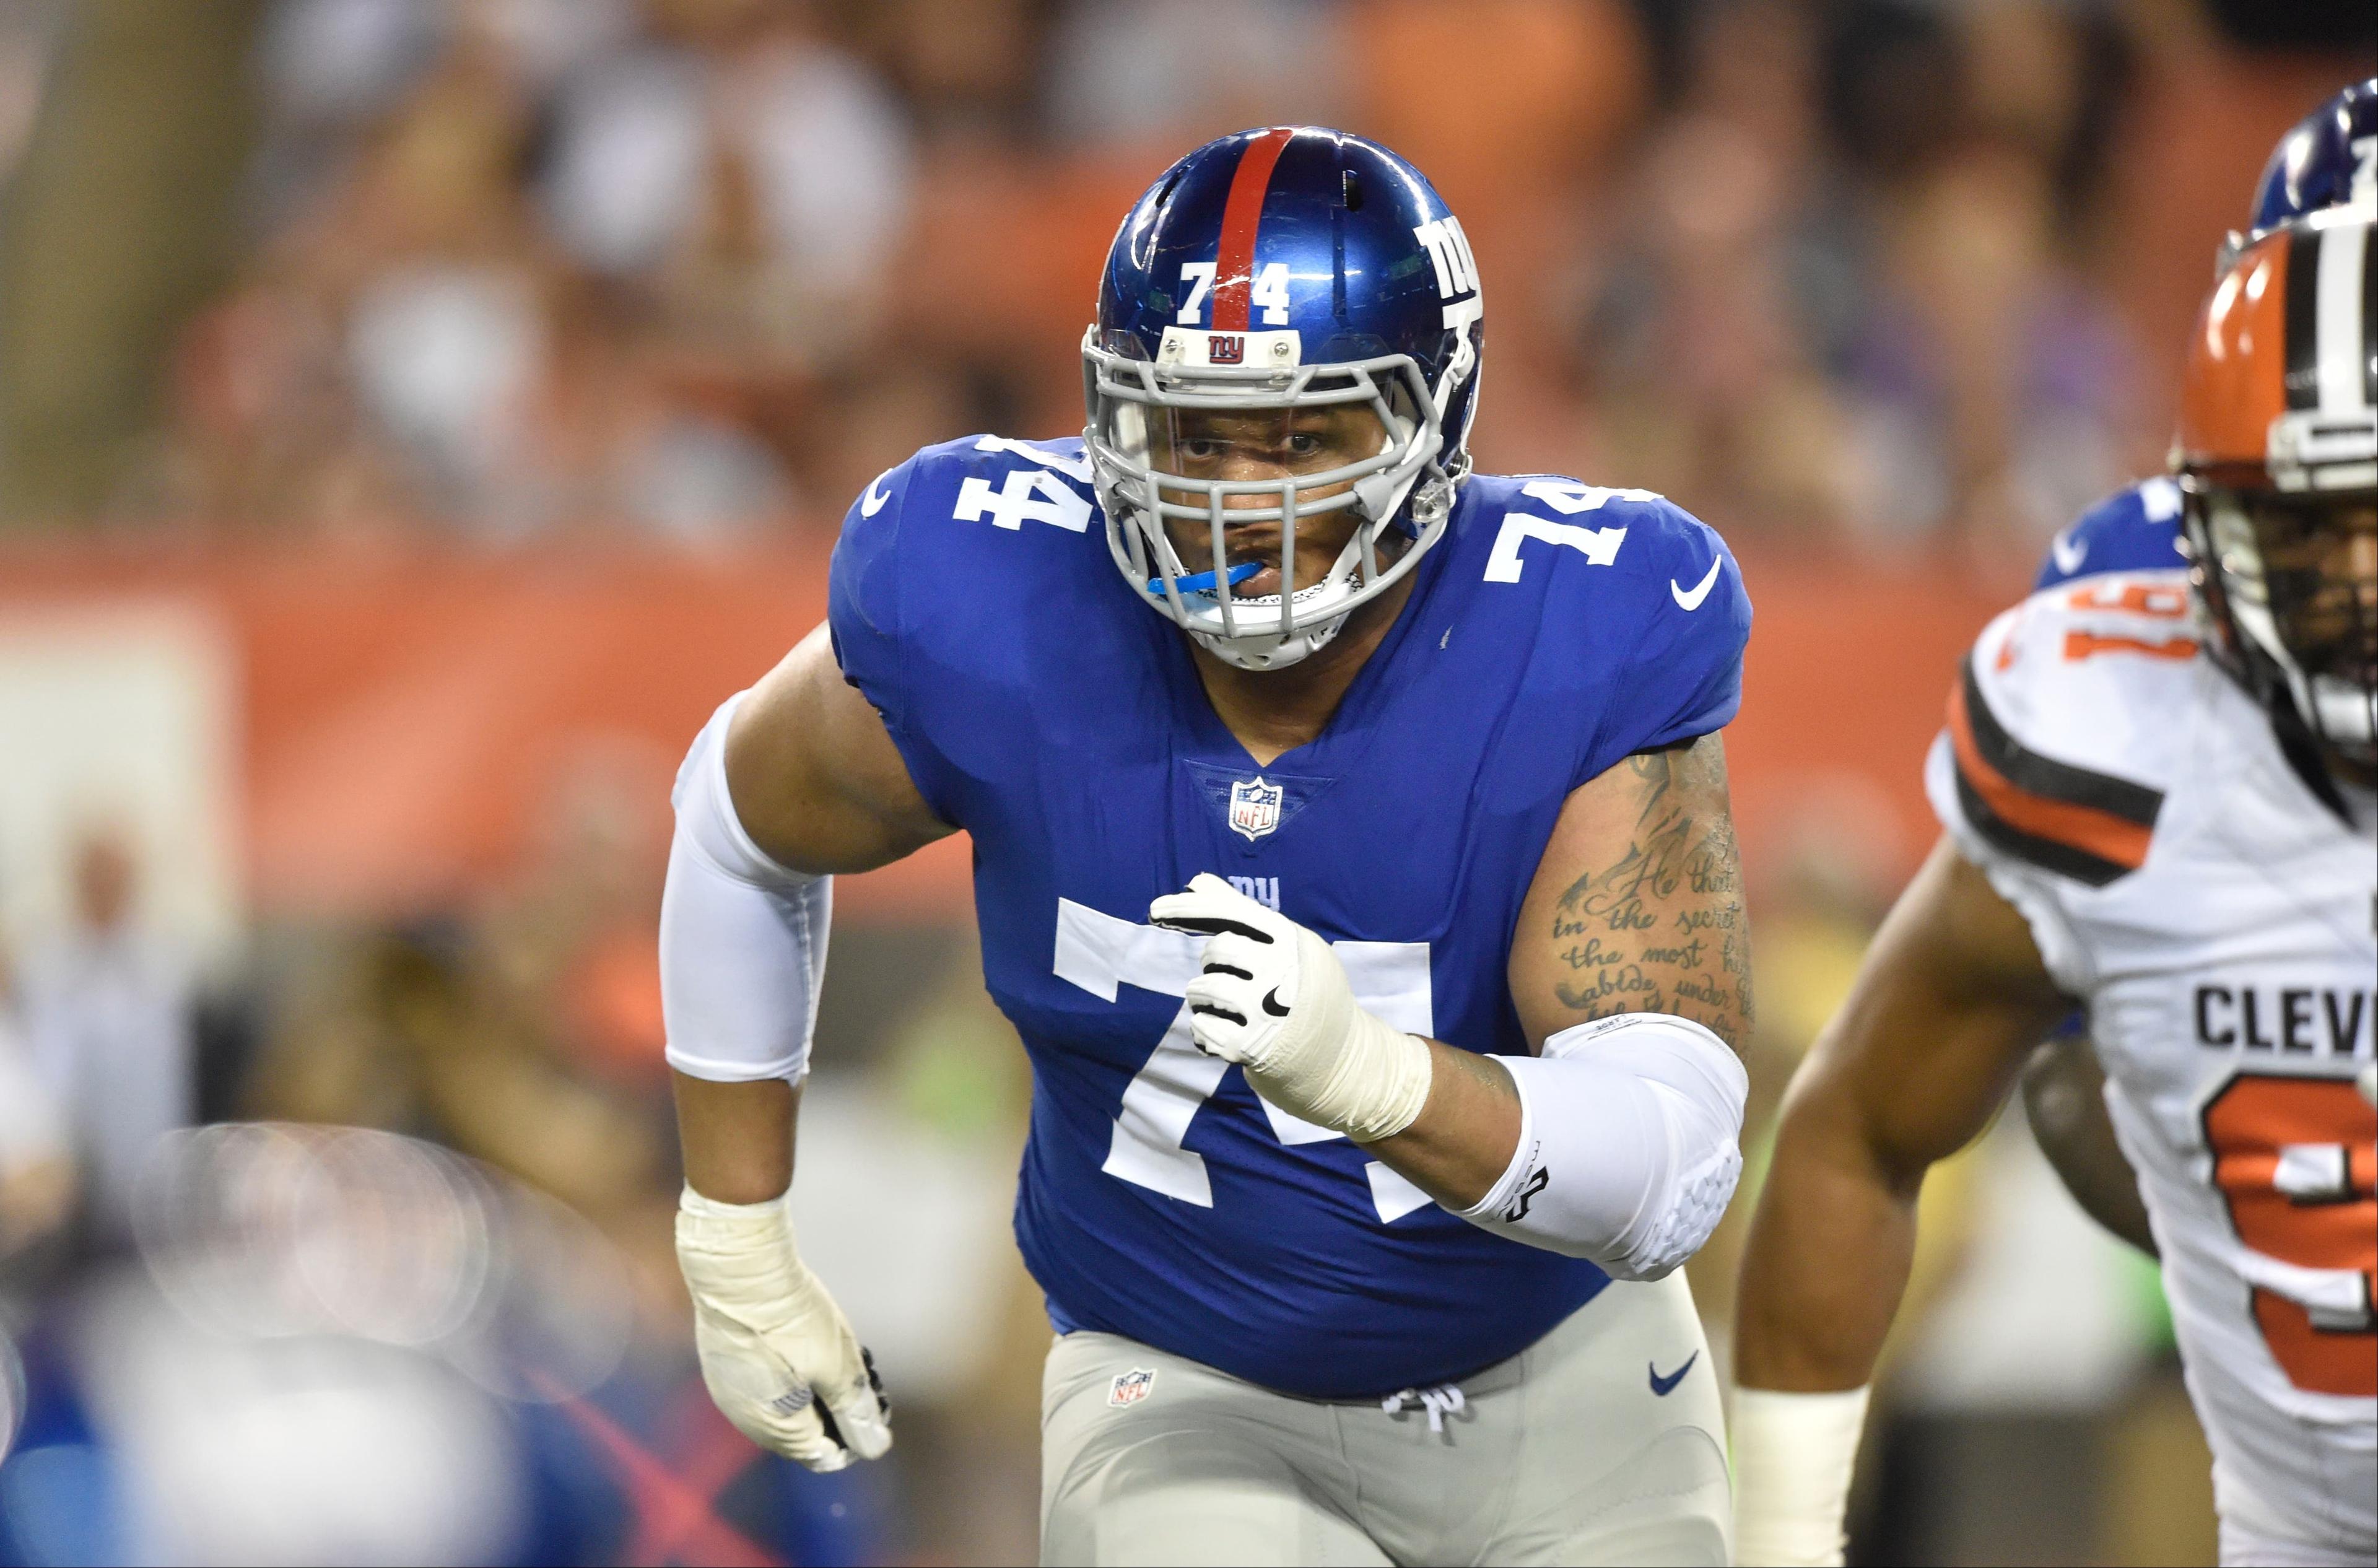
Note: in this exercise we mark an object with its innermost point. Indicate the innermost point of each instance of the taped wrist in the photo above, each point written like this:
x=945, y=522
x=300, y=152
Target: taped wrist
x=1793, y=1458
x=1628, y=1151
x=1336, y=1064
x=743, y=937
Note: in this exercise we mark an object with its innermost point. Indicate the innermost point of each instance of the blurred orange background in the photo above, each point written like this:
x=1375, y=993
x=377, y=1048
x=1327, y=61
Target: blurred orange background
x=402, y=719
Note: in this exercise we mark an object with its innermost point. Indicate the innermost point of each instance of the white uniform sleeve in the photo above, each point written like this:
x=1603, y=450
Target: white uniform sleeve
x=2063, y=726
x=2036, y=895
x=743, y=937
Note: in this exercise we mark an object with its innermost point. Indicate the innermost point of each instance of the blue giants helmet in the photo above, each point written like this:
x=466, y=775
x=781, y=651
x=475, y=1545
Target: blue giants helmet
x=1266, y=275
x=2329, y=159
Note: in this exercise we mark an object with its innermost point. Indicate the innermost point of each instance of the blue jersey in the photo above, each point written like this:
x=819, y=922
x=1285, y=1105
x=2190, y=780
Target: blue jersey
x=1552, y=630
x=2133, y=530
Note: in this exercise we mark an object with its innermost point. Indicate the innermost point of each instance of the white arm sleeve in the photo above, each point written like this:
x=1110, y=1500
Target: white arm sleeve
x=743, y=937
x=1627, y=1143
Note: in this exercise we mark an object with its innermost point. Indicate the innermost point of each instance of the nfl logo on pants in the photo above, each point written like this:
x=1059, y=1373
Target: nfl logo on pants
x=1254, y=806
x=1131, y=1387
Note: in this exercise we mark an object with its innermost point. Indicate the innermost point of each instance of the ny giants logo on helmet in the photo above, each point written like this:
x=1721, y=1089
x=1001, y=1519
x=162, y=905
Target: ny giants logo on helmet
x=1286, y=273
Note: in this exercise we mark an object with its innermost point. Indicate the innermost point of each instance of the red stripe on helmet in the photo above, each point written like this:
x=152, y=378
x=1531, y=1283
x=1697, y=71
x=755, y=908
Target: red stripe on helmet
x=1234, y=263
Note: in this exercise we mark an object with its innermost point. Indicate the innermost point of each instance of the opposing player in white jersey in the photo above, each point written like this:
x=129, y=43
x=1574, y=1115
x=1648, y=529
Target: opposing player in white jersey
x=2157, y=791
x=2328, y=158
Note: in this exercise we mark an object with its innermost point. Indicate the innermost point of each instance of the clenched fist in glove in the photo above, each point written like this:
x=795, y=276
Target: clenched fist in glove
x=1273, y=997
x=778, y=1354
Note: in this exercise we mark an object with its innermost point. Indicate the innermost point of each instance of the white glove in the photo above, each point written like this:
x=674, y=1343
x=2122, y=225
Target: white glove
x=778, y=1354
x=1273, y=997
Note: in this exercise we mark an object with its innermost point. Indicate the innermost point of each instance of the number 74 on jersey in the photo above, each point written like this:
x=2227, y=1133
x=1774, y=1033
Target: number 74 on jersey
x=1101, y=952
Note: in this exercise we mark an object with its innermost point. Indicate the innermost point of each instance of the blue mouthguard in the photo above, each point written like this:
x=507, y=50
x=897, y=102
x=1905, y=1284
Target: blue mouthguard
x=1203, y=582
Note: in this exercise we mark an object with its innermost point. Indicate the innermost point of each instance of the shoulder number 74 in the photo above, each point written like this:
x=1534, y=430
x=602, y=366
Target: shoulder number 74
x=1600, y=545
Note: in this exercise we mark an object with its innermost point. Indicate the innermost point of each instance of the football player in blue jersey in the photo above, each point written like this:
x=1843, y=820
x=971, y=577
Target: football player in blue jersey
x=1353, y=855
x=2330, y=158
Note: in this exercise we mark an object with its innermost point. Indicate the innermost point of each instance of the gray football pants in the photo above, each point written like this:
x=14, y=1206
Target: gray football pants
x=1565, y=1453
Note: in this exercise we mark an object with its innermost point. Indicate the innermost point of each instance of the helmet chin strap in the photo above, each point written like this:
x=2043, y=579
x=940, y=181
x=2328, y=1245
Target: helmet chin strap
x=2343, y=716
x=2328, y=727
x=1284, y=652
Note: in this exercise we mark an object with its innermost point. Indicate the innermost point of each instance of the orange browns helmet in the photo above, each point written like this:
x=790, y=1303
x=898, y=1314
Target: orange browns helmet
x=2277, y=460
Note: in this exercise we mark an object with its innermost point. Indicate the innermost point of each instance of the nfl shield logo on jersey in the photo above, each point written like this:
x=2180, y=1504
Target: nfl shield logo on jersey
x=1254, y=806
x=1131, y=1387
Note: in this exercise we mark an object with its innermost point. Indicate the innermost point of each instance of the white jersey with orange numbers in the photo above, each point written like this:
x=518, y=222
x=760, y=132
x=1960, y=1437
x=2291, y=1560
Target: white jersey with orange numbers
x=2204, y=888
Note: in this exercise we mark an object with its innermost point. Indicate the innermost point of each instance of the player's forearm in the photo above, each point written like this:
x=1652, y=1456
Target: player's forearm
x=1467, y=1130
x=1617, y=1145
x=737, y=1138
x=1826, y=1260
x=1822, y=1275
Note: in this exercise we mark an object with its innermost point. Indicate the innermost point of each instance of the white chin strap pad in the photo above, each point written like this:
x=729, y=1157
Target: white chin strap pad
x=743, y=937
x=1628, y=1143
x=1269, y=652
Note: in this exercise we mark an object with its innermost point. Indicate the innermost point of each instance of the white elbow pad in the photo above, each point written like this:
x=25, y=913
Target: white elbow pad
x=1628, y=1143
x=743, y=937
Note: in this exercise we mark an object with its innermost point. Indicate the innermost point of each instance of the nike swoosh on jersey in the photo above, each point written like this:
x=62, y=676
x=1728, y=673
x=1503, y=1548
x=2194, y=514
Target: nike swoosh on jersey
x=873, y=502
x=1692, y=601
x=2068, y=552
x=1663, y=1387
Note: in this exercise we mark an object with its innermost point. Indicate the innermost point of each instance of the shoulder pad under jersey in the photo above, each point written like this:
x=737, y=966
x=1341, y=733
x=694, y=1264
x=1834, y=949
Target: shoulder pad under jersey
x=2066, y=725
x=1627, y=585
x=956, y=535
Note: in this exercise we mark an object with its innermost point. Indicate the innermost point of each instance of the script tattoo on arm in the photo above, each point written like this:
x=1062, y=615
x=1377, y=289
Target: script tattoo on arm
x=1649, y=919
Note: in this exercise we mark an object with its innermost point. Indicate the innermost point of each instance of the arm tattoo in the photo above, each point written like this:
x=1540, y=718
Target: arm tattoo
x=1660, y=929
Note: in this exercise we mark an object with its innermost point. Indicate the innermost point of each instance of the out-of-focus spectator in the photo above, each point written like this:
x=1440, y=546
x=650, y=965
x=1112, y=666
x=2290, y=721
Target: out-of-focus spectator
x=574, y=942
x=25, y=36
x=1148, y=73
x=37, y=1182
x=969, y=72
x=421, y=340
x=740, y=170
x=1721, y=294
x=1854, y=300
x=108, y=1015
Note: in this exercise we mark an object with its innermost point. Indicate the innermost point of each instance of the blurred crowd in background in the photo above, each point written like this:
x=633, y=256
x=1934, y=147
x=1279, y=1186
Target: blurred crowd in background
x=342, y=1235
x=1843, y=271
